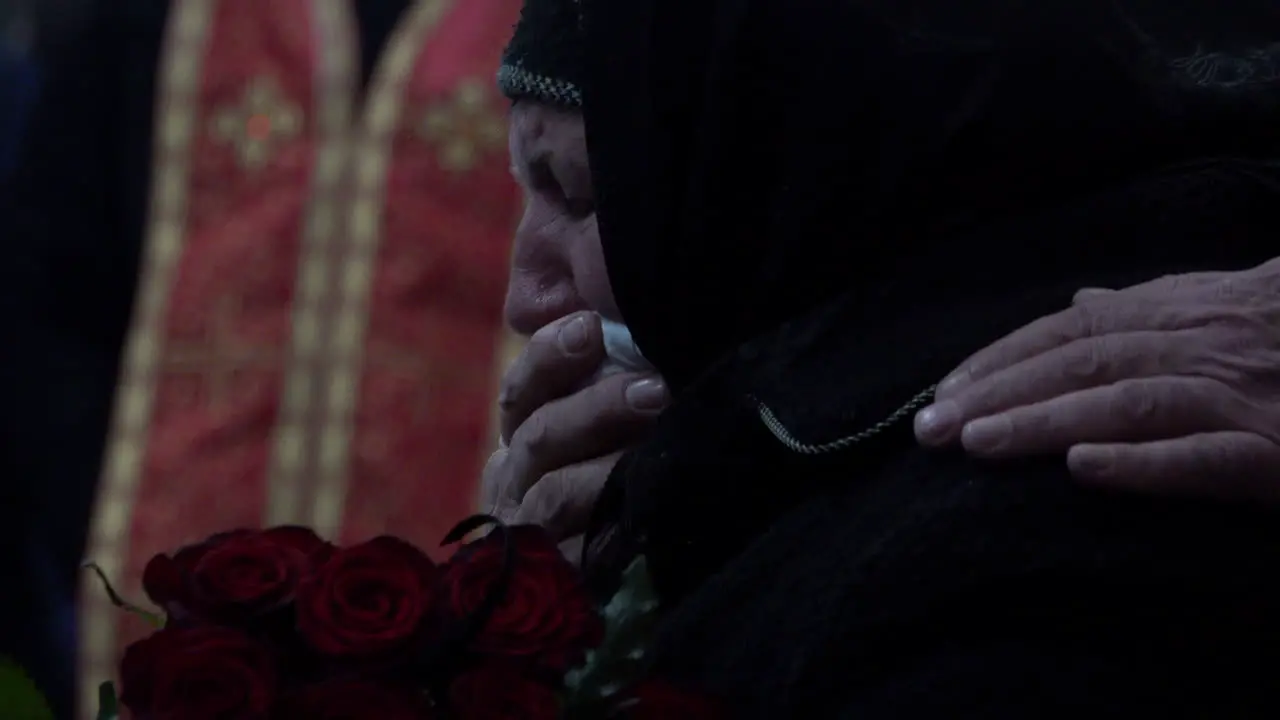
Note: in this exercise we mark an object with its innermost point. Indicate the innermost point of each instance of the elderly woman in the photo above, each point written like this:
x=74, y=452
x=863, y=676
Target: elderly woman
x=808, y=213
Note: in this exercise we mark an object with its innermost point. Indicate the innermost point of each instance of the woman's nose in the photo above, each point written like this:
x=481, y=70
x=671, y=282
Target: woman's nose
x=539, y=296
x=541, y=287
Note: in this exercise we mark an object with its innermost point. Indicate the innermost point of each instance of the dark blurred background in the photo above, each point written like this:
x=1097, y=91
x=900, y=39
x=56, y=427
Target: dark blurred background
x=18, y=74
x=27, y=27
x=77, y=106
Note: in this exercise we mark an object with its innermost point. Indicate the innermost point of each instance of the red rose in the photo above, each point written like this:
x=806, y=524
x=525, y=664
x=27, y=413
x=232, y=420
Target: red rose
x=499, y=692
x=546, y=614
x=196, y=673
x=366, y=600
x=353, y=700
x=234, y=575
x=658, y=700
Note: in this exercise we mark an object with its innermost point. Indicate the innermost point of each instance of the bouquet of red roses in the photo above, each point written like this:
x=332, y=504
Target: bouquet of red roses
x=279, y=624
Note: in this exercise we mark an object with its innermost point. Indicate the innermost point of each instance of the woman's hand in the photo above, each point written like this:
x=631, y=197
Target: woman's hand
x=561, y=432
x=1170, y=386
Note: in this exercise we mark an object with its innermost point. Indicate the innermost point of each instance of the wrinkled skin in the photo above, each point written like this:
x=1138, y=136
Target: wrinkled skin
x=1171, y=386
x=562, y=429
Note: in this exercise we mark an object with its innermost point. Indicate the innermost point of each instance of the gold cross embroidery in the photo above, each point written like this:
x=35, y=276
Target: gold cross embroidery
x=221, y=357
x=464, y=126
x=261, y=119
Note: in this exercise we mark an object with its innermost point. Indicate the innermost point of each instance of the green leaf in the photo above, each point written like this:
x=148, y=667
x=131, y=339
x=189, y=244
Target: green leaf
x=630, y=621
x=154, y=619
x=19, y=696
x=108, y=705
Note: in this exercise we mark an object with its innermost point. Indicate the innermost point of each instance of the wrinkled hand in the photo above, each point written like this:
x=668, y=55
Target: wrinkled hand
x=1170, y=386
x=561, y=432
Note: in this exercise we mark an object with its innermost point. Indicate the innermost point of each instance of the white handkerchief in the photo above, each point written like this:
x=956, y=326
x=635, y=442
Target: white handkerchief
x=620, y=349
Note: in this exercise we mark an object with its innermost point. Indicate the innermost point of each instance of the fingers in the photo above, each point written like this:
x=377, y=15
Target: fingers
x=1111, y=313
x=1235, y=465
x=557, y=359
x=1079, y=364
x=492, y=481
x=594, y=421
x=1127, y=411
x=561, y=501
x=1084, y=295
x=1161, y=286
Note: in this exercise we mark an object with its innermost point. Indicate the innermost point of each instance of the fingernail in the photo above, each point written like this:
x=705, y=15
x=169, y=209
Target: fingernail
x=647, y=395
x=1090, y=293
x=987, y=435
x=573, y=336
x=937, y=424
x=1090, y=462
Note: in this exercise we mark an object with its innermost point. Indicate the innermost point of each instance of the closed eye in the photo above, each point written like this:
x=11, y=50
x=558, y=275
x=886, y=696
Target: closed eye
x=542, y=180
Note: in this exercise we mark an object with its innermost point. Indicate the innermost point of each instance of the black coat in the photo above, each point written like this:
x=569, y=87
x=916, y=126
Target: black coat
x=872, y=579
x=72, y=224
x=811, y=211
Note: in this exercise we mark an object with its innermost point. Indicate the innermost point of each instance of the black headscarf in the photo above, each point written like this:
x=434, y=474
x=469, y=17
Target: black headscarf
x=894, y=183
x=544, y=61
x=908, y=179
x=823, y=206
x=753, y=158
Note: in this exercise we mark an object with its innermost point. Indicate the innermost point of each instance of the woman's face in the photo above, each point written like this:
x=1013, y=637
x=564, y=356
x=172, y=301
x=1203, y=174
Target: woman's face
x=557, y=264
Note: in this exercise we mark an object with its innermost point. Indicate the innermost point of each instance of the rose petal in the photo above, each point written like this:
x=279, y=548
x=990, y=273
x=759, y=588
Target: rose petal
x=302, y=539
x=164, y=581
x=244, y=577
x=405, y=553
x=367, y=600
x=137, y=670
x=546, y=615
x=198, y=672
x=353, y=700
x=187, y=557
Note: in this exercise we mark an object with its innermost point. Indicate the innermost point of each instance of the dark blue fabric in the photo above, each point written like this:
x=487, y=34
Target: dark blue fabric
x=18, y=82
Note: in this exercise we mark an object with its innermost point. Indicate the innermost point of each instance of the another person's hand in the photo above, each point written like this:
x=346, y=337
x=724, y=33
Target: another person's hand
x=1170, y=386
x=562, y=433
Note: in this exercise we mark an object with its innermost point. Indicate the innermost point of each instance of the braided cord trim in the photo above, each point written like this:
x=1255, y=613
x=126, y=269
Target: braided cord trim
x=517, y=82
x=793, y=443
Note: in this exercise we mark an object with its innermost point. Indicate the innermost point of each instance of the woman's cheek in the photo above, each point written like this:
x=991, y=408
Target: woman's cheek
x=590, y=272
